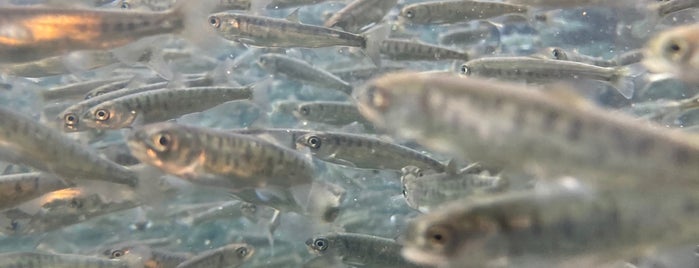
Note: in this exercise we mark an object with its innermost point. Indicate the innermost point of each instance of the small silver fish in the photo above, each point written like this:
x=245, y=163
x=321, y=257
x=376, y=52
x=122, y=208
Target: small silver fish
x=359, y=13
x=303, y=71
x=363, y=151
x=450, y=11
x=159, y=105
x=557, y=53
x=232, y=255
x=359, y=249
x=272, y=32
x=18, y=188
x=329, y=112
x=547, y=70
x=76, y=91
x=38, y=260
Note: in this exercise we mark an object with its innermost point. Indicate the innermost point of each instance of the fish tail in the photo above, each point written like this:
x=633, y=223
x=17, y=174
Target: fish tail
x=373, y=39
x=623, y=81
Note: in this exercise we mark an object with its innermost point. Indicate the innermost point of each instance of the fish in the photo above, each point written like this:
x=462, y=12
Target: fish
x=577, y=3
x=483, y=30
x=451, y=11
x=18, y=188
x=60, y=65
x=547, y=70
x=277, y=4
x=231, y=255
x=159, y=105
x=565, y=225
x=220, y=158
x=70, y=119
x=76, y=91
x=557, y=53
x=221, y=5
x=149, y=257
x=359, y=249
x=629, y=57
x=38, y=259
x=406, y=49
x=364, y=151
x=67, y=207
x=303, y=71
x=672, y=51
x=329, y=112
x=517, y=128
x=49, y=150
x=424, y=192
x=34, y=33
x=359, y=14
x=226, y=210
x=272, y=32
x=664, y=8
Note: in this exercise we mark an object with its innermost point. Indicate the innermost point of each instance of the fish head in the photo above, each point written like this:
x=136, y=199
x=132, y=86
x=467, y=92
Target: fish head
x=241, y=253
x=109, y=115
x=268, y=62
x=70, y=120
x=414, y=14
x=674, y=51
x=314, y=142
x=319, y=245
x=439, y=237
x=302, y=111
x=375, y=99
x=167, y=146
x=225, y=23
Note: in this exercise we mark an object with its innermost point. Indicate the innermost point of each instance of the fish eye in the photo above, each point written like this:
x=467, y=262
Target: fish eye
x=556, y=53
x=313, y=142
x=675, y=49
x=304, y=110
x=70, y=119
x=409, y=13
x=117, y=254
x=125, y=5
x=439, y=236
x=465, y=70
x=320, y=244
x=162, y=141
x=242, y=252
x=215, y=21
x=102, y=115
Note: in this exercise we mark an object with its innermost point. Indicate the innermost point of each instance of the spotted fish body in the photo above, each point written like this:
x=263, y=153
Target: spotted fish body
x=359, y=249
x=232, y=255
x=551, y=226
x=217, y=157
x=518, y=128
x=364, y=151
x=160, y=105
x=329, y=112
x=442, y=12
x=404, y=49
x=32, y=33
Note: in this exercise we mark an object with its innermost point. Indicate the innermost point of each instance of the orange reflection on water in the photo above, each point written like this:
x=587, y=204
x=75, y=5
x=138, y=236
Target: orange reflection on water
x=52, y=27
x=60, y=194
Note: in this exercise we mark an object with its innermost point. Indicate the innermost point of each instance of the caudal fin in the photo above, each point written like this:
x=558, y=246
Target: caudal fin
x=374, y=37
